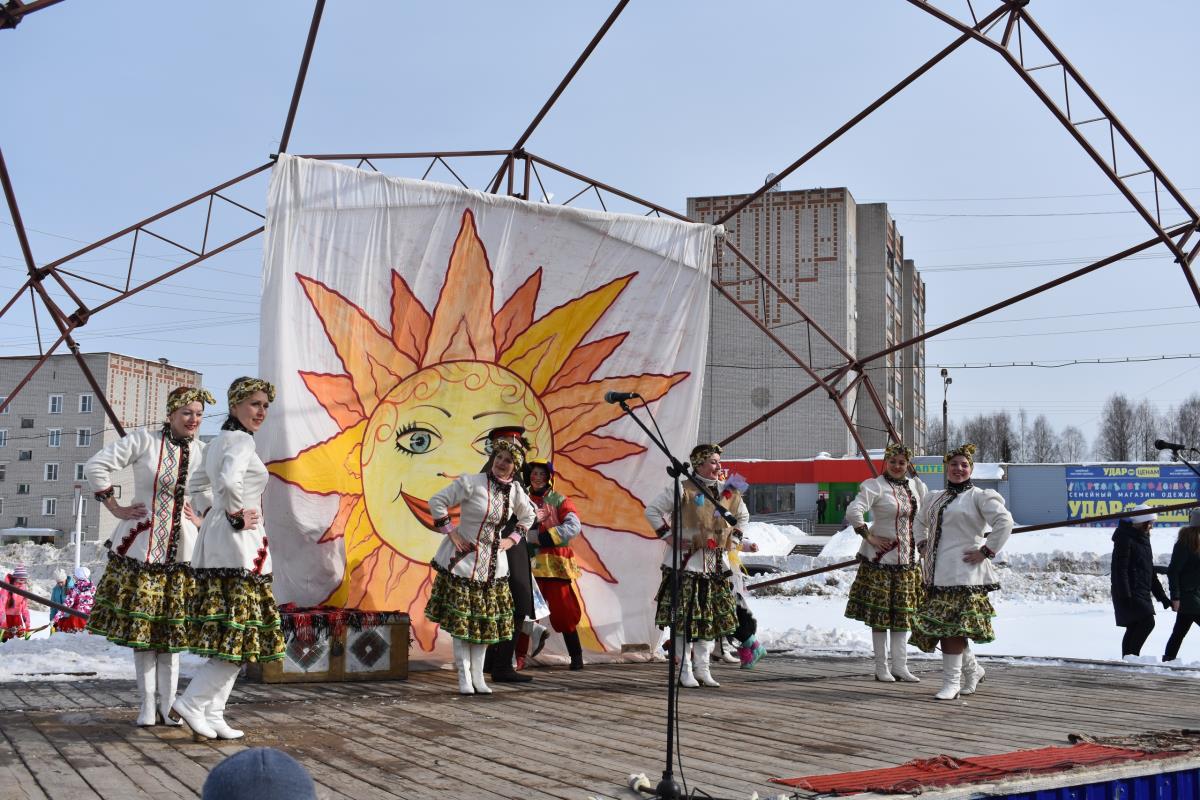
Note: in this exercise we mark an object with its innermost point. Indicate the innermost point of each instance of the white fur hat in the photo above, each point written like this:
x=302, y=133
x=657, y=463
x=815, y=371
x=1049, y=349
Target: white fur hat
x=1142, y=513
x=82, y=573
x=60, y=574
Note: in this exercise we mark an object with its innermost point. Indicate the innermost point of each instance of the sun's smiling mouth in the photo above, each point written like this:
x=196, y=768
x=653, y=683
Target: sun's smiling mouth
x=420, y=510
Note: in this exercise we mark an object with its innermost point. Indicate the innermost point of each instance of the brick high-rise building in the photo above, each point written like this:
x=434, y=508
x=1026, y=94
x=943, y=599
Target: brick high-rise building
x=56, y=423
x=844, y=264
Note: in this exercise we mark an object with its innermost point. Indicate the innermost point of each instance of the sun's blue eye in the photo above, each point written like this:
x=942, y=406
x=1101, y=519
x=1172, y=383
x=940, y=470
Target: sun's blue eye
x=416, y=440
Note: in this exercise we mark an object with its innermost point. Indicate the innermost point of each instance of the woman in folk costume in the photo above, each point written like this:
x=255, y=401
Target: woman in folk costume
x=470, y=598
x=143, y=599
x=14, y=608
x=80, y=597
x=958, y=571
x=887, y=589
x=234, y=617
x=706, y=603
x=554, y=563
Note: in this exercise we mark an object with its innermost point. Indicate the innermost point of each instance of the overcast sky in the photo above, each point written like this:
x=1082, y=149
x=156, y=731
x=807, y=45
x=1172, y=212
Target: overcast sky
x=112, y=112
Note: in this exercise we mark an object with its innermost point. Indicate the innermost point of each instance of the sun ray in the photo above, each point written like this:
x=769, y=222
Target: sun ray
x=580, y=409
x=360, y=343
x=331, y=467
x=336, y=395
x=410, y=321
x=348, y=505
x=591, y=449
x=462, y=319
x=582, y=364
x=360, y=544
x=515, y=317
x=540, y=352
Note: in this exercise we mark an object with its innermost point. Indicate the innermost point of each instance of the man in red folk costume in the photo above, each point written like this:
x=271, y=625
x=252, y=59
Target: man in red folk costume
x=554, y=564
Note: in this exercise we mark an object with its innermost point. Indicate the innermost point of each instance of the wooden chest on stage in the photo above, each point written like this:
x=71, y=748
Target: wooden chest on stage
x=331, y=645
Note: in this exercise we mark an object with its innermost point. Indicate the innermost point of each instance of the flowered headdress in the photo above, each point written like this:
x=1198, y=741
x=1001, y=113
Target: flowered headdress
x=510, y=439
x=178, y=398
x=898, y=449
x=701, y=453
x=245, y=386
x=967, y=451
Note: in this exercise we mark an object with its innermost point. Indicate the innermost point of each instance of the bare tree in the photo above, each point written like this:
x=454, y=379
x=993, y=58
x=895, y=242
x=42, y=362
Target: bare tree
x=1115, y=441
x=1183, y=423
x=1072, y=444
x=992, y=434
x=935, y=441
x=1146, y=425
x=1022, y=446
x=1043, y=446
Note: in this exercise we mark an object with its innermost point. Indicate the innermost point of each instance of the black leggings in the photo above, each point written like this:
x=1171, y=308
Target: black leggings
x=1136, y=635
x=1183, y=623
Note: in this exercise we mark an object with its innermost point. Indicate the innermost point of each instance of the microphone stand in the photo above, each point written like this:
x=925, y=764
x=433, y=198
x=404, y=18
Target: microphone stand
x=1189, y=464
x=668, y=788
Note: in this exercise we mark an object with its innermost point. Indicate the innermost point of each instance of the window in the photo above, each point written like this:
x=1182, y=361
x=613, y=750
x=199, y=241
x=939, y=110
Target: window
x=55, y=437
x=85, y=403
x=56, y=404
x=22, y=488
x=1, y=505
x=79, y=472
x=49, y=506
x=3, y=397
x=3, y=437
x=26, y=422
x=83, y=437
x=3, y=472
x=52, y=471
x=22, y=522
x=24, y=455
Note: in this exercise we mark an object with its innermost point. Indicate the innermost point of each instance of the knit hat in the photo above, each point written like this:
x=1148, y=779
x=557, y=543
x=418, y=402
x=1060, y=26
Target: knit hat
x=82, y=573
x=20, y=573
x=1145, y=515
x=260, y=773
x=60, y=574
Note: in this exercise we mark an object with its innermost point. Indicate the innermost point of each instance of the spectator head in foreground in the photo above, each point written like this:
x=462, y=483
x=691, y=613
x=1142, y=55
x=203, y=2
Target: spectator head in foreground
x=260, y=773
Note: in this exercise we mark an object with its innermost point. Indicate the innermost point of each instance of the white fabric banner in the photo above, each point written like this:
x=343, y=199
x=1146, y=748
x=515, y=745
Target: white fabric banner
x=402, y=320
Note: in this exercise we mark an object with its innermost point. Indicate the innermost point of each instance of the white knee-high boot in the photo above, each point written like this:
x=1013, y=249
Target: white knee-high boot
x=683, y=652
x=168, y=684
x=462, y=663
x=899, y=661
x=214, y=714
x=728, y=652
x=951, y=676
x=702, y=650
x=193, y=704
x=972, y=672
x=144, y=666
x=477, y=653
x=879, y=642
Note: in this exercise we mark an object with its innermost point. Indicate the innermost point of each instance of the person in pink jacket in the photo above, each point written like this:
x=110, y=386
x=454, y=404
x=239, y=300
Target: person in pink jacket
x=14, y=609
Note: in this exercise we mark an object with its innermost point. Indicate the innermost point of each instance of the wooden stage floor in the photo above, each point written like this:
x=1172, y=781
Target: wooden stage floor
x=573, y=734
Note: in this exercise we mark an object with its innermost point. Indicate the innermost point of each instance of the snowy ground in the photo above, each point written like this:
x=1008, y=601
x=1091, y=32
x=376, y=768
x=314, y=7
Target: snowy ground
x=1054, y=605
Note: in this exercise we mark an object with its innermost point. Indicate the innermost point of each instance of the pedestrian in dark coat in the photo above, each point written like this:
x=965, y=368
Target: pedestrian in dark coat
x=1183, y=578
x=1135, y=585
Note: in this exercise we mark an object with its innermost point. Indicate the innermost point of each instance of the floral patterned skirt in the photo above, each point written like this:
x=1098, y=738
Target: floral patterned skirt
x=885, y=596
x=707, y=608
x=234, y=617
x=474, y=611
x=140, y=605
x=949, y=611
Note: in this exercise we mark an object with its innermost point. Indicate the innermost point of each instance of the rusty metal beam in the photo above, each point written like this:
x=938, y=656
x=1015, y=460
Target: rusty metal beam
x=866, y=112
x=1109, y=170
x=12, y=12
x=1070, y=276
x=318, y=10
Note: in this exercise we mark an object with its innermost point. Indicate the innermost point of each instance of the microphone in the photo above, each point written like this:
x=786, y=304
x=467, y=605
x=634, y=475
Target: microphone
x=1159, y=444
x=621, y=397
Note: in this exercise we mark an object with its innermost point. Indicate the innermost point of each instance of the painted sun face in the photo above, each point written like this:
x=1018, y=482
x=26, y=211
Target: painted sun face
x=416, y=398
x=430, y=429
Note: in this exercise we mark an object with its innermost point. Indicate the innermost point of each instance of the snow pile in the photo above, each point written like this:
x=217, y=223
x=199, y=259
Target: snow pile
x=772, y=540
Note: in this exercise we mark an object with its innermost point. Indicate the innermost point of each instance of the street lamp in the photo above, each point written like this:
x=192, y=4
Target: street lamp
x=946, y=381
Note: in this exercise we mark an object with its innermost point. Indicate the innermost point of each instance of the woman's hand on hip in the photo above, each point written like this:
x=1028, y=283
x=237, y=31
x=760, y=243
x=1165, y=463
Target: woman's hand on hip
x=974, y=556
